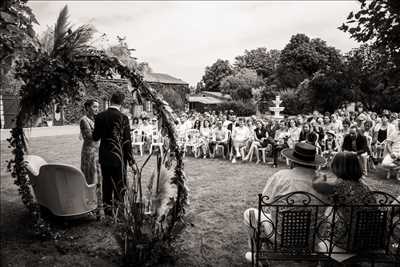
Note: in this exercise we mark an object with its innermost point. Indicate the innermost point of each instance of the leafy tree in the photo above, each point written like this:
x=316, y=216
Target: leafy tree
x=302, y=57
x=58, y=65
x=241, y=84
x=199, y=87
x=123, y=53
x=215, y=73
x=144, y=67
x=262, y=61
x=329, y=90
x=238, y=107
x=290, y=101
x=377, y=67
x=377, y=21
x=17, y=37
x=370, y=73
x=46, y=40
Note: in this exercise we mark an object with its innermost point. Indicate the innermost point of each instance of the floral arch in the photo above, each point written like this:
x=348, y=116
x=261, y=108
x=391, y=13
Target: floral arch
x=56, y=79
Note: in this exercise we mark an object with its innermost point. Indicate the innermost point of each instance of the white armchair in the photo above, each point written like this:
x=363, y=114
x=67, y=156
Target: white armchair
x=61, y=188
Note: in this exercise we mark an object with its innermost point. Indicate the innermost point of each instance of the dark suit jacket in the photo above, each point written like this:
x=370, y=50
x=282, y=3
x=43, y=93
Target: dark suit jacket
x=113, y=129
x=361, y=144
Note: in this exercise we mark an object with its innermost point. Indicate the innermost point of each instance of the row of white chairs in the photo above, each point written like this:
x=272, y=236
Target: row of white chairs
x=153, y=140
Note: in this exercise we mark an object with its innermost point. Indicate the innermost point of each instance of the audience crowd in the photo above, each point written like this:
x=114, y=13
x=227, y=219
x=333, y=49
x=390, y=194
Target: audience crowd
x=374, y=138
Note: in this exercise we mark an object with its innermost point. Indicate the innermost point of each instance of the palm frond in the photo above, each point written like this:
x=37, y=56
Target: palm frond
x=80, y=38
x=61, y=28
x=76, y=41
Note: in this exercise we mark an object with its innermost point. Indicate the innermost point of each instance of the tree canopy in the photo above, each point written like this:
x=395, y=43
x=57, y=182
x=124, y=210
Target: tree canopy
x=261, y=60
x=241, y=84
x=378, y=22
x=376, y=65
x=215, y=73
x=302, y=57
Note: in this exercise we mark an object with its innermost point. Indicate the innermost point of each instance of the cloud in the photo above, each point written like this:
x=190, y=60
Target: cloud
x=182, y=38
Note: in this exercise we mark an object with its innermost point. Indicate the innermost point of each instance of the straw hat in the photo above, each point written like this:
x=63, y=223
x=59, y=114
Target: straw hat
x=305, y=154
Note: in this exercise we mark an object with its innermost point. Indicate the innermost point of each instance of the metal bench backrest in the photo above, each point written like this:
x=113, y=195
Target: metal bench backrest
x=296, y=229
x=301, y=223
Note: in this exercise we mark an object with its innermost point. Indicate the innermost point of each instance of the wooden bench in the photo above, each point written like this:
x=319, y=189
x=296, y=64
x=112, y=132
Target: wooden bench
x=306, y=228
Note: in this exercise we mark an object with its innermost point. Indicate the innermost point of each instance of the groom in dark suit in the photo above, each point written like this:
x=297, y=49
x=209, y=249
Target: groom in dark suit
x=113, y=129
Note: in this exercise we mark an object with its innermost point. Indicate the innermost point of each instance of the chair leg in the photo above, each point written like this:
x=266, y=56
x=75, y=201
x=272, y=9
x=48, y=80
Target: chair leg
x=263, y=156
x=161, y=152
x=141, y=150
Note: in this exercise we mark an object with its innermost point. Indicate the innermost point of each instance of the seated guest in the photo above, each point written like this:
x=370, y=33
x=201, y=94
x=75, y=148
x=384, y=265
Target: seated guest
x=135, y=124
x=303, y=162
x=346, y=126
x=230, y=125
x=251, y=126
x=335, y=125
x=368, y=130
x=330, y=147
x=393, y=119
x=347, y=188
x=320, y=131
x=205, y=136
x=294, y=133
x=352, y=118
x=240, y=135
x=197, y=125
x=260, y=140
x=357, y=143
x=361, y=119
x=146, y=127
x=147, y=130
x=227, y=122
x=307, y=135
x=392, y=159
x=281, y=137
x=186, y=124
x=181, y=132
x=343, y=132
x=330, y=142
x=219, y=137
x=381, y=131
x=327, y=123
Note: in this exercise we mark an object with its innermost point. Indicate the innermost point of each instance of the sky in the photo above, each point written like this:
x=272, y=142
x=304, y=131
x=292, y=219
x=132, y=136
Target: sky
x=181, y=38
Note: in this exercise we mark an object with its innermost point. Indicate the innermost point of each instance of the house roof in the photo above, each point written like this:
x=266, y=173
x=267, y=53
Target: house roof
x=218, y=94
x=205, y=99
x=162, y=78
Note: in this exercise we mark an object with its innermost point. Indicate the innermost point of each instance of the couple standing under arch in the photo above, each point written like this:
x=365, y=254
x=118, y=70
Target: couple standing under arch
x=107, y=146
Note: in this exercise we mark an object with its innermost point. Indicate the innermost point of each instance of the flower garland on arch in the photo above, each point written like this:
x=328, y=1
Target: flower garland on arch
x=49, y=79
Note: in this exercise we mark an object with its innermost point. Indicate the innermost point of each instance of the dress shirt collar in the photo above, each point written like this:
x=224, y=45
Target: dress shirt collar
x=115, y=107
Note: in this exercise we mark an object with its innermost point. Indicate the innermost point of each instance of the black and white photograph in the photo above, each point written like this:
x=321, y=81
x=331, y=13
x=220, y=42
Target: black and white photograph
x=200, y=133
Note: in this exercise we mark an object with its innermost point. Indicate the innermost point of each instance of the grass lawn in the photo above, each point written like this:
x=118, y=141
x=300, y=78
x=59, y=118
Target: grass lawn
x=219, y=193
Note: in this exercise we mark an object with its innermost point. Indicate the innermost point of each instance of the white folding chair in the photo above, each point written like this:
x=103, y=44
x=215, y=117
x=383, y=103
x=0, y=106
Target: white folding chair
x=264, y=151
x=137, y=141
x=192, y=141
x=157, y=140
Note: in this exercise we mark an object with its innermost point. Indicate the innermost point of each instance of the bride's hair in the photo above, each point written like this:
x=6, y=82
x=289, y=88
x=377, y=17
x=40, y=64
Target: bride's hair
x=88, y=103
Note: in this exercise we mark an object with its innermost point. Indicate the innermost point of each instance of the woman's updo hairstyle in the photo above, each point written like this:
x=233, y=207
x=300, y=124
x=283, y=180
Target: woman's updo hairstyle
x=88, y=103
